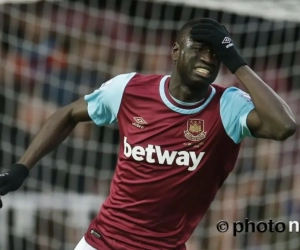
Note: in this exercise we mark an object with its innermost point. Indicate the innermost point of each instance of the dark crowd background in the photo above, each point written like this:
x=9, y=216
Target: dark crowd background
x=53, y=53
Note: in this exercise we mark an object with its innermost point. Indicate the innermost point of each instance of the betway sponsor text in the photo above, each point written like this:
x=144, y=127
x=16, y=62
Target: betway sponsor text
x=165, y=157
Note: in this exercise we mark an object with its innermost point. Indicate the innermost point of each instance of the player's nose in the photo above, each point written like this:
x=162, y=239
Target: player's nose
x=208, y=57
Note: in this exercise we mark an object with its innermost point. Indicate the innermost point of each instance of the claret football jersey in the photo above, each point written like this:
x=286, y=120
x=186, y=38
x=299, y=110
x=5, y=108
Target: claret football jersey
x=173, y=158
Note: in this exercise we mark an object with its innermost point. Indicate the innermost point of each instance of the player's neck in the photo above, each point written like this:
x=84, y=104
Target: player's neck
x=185, y=93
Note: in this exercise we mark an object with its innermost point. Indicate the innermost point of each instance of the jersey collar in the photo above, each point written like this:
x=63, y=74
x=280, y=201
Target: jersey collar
x=181, y=108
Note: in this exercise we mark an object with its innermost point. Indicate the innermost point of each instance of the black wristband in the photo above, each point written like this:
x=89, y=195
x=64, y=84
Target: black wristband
x=20, y=173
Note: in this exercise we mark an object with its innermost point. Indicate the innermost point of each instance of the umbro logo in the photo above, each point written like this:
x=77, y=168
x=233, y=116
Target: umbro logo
x=139, y=122
x=96, y=234
x=226, y=40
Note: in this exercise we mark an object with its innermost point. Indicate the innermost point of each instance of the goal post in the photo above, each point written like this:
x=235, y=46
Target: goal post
x=53, y=52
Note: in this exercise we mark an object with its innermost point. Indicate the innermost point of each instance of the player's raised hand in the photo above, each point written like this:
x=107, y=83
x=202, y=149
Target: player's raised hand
x=213, y=33
x=13, y=179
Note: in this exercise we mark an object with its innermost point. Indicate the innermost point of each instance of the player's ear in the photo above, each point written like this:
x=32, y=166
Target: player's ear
x=175, y=51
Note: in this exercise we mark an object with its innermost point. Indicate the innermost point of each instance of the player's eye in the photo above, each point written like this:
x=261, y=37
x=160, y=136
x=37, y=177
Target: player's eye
x=199, y=49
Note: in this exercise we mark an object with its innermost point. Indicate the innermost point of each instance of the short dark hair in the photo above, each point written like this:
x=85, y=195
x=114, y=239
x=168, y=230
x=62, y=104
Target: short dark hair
x=186, y=26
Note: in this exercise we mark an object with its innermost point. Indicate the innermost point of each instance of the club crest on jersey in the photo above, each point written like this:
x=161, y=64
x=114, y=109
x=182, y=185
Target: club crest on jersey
x=195, y=130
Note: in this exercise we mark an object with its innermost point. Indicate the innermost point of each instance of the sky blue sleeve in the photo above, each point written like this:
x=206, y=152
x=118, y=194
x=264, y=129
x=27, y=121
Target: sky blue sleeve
x=235, y=105
x=104, y=103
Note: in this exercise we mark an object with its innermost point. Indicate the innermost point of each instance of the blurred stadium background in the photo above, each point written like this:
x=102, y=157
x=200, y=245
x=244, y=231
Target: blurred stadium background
x=53, y=52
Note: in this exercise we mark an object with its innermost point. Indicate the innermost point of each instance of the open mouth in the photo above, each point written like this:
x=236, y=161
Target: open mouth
x=202, y=72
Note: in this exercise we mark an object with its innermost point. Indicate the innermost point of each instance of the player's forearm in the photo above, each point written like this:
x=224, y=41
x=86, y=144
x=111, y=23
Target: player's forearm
x=53, y=132
x=273, y=112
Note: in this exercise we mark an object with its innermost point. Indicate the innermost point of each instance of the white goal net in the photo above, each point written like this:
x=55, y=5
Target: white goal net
x=52, y=53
